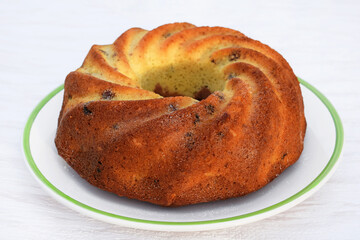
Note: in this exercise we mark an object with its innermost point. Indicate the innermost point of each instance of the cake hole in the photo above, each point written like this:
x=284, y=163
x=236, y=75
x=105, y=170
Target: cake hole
x=192, y=79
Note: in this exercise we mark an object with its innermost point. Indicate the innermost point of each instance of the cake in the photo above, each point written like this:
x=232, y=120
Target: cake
x=181, y=115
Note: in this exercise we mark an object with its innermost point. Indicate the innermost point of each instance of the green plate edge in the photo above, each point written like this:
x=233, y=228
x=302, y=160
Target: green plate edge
x=334, y=158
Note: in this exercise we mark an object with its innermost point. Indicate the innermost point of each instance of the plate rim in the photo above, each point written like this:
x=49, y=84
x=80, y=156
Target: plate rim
x=322, y=176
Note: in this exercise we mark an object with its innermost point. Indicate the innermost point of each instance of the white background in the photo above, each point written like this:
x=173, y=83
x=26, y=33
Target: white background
x=42, y=41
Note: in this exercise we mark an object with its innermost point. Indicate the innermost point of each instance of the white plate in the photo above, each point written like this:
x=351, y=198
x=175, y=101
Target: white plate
x=323, y=144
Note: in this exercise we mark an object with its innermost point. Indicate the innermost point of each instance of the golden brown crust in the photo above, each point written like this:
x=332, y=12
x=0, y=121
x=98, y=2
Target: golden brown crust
x=175, y=151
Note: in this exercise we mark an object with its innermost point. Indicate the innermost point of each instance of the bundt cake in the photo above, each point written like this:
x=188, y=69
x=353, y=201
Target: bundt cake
x=181, y=115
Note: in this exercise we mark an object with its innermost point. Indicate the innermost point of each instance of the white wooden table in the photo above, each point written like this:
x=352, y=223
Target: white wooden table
x=41, y=41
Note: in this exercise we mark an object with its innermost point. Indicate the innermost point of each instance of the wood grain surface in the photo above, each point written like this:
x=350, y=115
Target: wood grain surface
x=42, y=41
